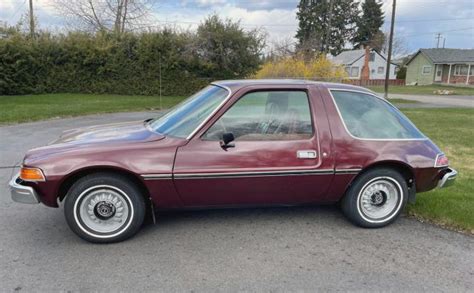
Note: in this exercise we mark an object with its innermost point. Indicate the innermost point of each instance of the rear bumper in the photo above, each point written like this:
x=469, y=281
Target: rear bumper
x=448, y=178
x=21, y=193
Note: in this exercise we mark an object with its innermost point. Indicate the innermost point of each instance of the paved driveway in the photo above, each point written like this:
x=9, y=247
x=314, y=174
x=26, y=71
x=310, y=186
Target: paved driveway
x=288, y=249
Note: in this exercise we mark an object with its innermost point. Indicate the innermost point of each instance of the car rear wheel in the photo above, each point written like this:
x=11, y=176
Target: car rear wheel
x=376, y=198
x=104, y=208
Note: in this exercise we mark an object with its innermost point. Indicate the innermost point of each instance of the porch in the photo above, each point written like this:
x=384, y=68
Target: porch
x=454, y=74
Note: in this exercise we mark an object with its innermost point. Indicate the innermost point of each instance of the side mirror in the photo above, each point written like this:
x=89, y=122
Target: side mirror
x=227, y=139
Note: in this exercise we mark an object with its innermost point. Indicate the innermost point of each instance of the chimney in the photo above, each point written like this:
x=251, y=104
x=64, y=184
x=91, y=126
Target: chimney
x=365, y=73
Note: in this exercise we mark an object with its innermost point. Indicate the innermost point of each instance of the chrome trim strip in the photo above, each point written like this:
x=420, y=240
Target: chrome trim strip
x=348, y=171
x=156, y=176
x=21, y=193
x=248, y=174
x=253, y=174
x=213, y=112
x=371, y=139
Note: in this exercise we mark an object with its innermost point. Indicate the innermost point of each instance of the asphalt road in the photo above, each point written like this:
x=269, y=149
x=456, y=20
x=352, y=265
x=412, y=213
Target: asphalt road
x=287, y=249
x=438, y=100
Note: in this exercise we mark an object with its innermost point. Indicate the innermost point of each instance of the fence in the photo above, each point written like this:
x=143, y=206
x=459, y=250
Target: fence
x=373, y=82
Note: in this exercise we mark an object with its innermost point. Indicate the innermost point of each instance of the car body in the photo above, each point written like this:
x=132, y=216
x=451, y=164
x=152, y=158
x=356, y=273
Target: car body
x=312, y=151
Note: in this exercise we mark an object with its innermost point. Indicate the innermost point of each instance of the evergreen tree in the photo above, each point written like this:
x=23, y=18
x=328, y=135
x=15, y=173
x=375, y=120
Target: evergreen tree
x=325, y=25
x=369, y=25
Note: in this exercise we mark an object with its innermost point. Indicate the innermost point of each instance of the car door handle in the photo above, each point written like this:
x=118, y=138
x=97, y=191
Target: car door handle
x=306, y=154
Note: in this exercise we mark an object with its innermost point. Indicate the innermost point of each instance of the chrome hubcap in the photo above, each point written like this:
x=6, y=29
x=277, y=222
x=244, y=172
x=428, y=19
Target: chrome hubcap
x=104, y=210
x=379, y=198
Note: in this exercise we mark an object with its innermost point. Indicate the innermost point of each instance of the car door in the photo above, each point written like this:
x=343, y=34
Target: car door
x=275, y=159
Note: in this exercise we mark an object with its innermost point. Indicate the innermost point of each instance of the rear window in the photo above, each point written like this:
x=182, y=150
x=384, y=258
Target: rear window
x=369, y=117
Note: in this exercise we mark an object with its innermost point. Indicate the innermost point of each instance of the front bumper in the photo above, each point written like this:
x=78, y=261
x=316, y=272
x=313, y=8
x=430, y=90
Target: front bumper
x=448, y=178
x=21, y=193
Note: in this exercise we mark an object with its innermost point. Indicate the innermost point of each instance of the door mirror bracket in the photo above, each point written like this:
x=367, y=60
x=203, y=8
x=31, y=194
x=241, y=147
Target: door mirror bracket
x=227, y=141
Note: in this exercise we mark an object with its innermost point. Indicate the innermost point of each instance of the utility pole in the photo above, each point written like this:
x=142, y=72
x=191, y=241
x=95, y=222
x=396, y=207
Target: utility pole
x=32, y=20
x=438, y=38
x=389, y=56
x=444, y=42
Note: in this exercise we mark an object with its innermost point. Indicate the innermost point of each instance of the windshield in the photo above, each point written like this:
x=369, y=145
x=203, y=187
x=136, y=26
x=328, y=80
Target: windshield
x=184, y=118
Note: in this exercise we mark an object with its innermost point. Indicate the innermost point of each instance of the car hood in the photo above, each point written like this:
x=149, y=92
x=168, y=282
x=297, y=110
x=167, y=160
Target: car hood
x=93, y=138
x=117, y=132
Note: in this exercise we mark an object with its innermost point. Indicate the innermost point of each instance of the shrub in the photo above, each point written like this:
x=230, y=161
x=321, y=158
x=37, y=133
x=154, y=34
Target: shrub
x=319, y=68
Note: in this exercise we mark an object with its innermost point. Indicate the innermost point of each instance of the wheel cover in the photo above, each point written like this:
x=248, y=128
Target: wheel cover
x=103, y=211
x=380, y=198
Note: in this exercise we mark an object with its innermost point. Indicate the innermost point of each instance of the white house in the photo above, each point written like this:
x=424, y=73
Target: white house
x=355, y=60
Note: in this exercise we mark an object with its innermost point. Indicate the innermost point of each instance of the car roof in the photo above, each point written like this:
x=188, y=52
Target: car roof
x=236, y=84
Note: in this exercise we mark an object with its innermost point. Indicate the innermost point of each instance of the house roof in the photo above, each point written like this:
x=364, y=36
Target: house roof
x=443, y=55
x=349, y=57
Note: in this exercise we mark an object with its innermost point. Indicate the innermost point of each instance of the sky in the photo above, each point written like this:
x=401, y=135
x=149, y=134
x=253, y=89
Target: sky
x=417, y=21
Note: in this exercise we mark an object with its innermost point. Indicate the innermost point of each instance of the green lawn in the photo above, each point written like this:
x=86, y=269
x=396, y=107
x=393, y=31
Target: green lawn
x=424, y=89
x=14, y=109
x=453, y=131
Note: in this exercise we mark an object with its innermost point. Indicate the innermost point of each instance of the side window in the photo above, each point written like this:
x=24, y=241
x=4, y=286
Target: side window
x=369, y=117
x=266, y=115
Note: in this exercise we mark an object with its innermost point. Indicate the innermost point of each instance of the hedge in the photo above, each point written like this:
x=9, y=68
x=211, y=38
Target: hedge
x=127, y=64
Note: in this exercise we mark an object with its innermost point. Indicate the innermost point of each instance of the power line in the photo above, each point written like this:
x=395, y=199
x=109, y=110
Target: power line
x=434, y=20
x=18, y=10
x=430, y=33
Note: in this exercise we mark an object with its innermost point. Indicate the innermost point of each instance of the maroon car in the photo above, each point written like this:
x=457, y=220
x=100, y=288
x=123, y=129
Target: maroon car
x=237, y=144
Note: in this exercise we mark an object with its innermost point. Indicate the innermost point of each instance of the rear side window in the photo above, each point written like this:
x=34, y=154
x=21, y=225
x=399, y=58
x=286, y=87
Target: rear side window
x=369, y=117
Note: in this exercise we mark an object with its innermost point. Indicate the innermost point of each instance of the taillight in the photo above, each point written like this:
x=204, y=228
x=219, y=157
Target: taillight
x=441, y=161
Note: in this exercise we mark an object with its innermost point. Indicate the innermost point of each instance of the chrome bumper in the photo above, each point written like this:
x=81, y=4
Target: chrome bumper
x=448, y=178
x=21, y=193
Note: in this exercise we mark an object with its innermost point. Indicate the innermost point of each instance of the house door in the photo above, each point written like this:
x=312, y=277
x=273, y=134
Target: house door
x=439, y=72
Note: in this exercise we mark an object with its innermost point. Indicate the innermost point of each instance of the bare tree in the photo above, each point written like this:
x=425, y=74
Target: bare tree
x=399, y=47
x=282, y=48
x=106, y=15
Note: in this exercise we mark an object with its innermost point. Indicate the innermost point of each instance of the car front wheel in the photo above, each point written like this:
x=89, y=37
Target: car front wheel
x=104, y=208
x=376, y=198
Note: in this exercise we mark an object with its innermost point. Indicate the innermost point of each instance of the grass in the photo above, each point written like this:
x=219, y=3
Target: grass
x=15, y=109
x=424, y=89
x=453, y=131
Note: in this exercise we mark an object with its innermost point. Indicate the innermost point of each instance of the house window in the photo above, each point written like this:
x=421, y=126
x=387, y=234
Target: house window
x=380, y=70
x=348, y=70
x=426, y=70
x=372, y=57
x=461, y=69
x=352, y=71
